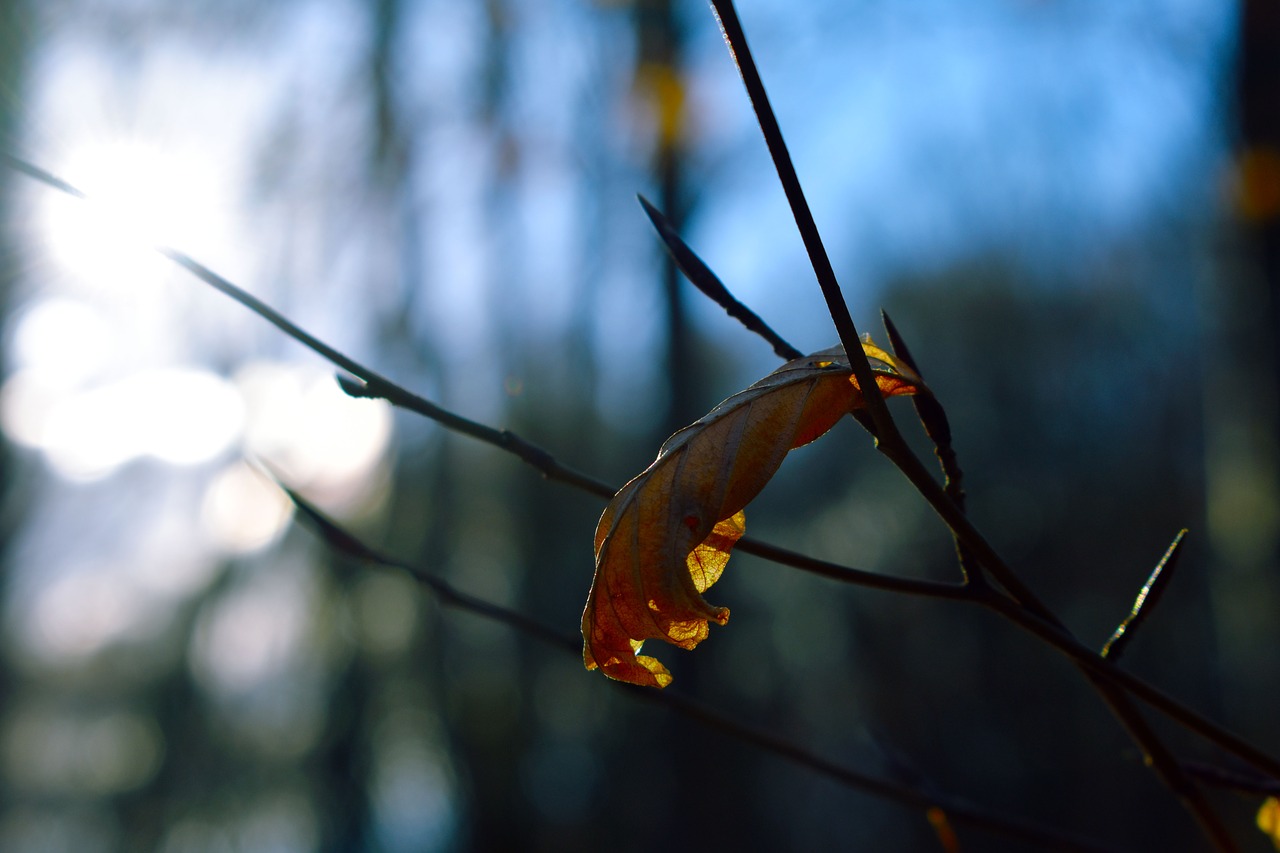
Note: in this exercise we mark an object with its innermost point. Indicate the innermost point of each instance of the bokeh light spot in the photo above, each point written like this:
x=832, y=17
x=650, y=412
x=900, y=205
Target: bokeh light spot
x=243, y=512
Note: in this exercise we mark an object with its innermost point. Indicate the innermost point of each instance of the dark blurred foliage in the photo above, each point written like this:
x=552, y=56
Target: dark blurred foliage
x=474, y=233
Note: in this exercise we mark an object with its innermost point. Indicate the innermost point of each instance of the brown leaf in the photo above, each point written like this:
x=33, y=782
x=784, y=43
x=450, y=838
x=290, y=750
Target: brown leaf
x=666, y=536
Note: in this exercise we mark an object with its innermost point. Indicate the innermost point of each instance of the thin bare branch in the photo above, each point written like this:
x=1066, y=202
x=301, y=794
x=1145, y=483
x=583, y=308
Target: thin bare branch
x=1162, y=760
x=1234, y=780
x=701, y=277
x=365, y=382
x=1157, y=754
x=736, y=40
x=33, y=171
x=848, y=574
x=888, y=439
x=1147, y=599
x=1049, y=630
x=933, y=417
x=528, y=452
x=349, y=545
x=1063, y=641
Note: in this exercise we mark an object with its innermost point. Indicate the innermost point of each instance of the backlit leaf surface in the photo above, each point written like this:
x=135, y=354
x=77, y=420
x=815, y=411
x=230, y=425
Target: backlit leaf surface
x=666, y=536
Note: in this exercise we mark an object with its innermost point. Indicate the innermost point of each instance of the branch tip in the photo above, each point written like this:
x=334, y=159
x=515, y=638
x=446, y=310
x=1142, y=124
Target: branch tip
x=353, y=387
x=701, y=277
x=1147, y=599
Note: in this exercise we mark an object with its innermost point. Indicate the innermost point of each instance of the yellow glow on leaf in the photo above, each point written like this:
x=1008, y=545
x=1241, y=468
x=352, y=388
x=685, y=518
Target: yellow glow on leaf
x=667, y=535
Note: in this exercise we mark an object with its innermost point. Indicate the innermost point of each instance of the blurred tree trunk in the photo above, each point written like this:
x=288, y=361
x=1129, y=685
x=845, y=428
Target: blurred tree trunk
x=659, y=79
x=1241, y=406
x=13, y=47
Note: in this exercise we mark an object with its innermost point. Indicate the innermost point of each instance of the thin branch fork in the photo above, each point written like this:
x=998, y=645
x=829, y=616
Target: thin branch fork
x=936, y=427
x=342, y=541
x=933, y=418
x=890, y=442
x=1147, y=599
x=736, y=40
x=889, y=439
x=701, y=277
x=371, y=384
x=376, y=385
x=1050, y=633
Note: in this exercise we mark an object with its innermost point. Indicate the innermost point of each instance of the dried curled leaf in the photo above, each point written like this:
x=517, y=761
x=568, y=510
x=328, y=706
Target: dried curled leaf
x=666, y=536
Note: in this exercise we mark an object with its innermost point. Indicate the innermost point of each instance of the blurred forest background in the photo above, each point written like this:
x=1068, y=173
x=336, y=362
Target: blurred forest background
x=1070, y=210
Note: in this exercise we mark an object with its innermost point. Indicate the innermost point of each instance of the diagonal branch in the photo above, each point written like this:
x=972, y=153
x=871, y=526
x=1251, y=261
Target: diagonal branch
x=1049, y=631
x=933, y=417
x=736, y=40
x=1147, y=599
x=888, y=439
x=350, y=546
x=1122, y=705
x=701, y=277
x=1055, y=636
x=369, y=383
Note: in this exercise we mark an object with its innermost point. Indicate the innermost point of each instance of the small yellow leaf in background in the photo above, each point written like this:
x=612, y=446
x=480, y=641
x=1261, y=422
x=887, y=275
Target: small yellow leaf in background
x=666, y=536
x=1269, y=820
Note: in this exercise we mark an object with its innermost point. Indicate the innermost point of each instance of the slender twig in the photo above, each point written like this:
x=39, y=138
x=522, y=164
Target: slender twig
x=848, y=574
x=1121, y=705
x=33, y=171
x=1161, y=759
x=1049, y=631
x=1066, y=643
x=701, y=277
x=349, y=545
x=736, y=40
x=958, y=811
x=1163, y=762
x=933, y=417
x=1158, y=755
x=1234, y=780
x=1147, y=599
x=1107, y=681
x=368, y=383
x=890, y=441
